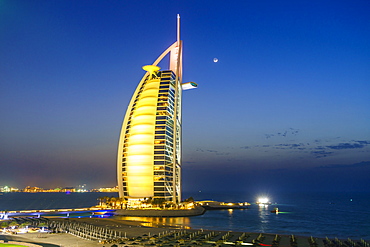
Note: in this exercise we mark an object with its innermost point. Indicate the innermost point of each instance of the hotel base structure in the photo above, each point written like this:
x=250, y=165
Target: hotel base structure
x=149, y=149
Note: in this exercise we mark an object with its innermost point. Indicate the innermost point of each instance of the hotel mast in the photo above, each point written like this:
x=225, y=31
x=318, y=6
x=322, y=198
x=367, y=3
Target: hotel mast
x=149, y=149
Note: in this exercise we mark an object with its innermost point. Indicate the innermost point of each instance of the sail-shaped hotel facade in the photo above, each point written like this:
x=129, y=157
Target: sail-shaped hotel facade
x=149, y=149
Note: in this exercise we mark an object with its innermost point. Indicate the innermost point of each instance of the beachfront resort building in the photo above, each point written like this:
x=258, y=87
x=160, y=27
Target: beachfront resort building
x=149, y=149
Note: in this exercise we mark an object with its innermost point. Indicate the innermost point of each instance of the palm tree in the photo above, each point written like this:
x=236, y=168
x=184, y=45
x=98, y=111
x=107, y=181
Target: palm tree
x=5, y=224
x=43, y=224
x=101, y=199
x=121, y=201
x=149, y=200
x=13, y=224
x=125, y=200
x=159, y=202
x=190, y=199
x=25, y=224
x=106, y=200
x=113, y=201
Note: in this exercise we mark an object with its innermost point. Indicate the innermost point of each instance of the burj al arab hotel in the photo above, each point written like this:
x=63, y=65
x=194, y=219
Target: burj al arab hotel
x=149, y=149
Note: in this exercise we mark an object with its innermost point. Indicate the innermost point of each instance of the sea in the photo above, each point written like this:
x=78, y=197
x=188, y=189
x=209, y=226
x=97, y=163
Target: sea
x=319, y=214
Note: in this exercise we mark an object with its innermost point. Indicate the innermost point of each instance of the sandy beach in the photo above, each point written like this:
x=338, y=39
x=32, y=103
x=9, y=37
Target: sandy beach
x=138, y=235
x=131, y=229
x=52, y=240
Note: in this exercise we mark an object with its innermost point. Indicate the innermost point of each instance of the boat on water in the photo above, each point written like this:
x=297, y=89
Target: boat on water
x=275, y=211
x=215, y=205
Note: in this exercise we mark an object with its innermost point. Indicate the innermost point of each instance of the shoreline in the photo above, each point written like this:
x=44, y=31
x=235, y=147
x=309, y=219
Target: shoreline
x=137, y=234
x=198, y=210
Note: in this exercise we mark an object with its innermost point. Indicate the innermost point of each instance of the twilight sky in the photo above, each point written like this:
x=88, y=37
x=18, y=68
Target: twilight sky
x=286, y=107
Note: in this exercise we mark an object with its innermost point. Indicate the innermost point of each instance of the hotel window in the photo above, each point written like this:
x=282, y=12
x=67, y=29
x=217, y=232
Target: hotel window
x=158, y=147
x=159, y=189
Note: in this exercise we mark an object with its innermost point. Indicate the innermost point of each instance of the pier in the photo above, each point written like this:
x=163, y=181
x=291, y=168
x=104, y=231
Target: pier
x=55, y=212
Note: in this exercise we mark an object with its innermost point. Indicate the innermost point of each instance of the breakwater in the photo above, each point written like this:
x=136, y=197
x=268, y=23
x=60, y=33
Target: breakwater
x=160, y=212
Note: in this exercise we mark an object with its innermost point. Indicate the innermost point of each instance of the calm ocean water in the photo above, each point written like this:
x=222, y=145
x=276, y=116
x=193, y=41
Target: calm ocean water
x=309, y=214
x=342, y=215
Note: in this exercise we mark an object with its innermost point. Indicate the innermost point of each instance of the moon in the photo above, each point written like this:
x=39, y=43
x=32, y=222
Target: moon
x=215, y=60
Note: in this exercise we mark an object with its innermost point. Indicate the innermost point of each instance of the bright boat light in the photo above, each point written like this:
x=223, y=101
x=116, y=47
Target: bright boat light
x=263, y=200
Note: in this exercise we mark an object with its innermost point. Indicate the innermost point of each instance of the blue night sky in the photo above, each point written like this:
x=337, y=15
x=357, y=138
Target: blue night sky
x=286, y=107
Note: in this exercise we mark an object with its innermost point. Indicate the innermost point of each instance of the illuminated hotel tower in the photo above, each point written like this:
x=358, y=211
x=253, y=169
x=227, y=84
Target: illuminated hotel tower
x=149, y=149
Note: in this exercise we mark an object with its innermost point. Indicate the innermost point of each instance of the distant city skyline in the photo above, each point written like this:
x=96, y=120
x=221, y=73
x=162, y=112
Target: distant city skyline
x=79, y=188
x=285, y=107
